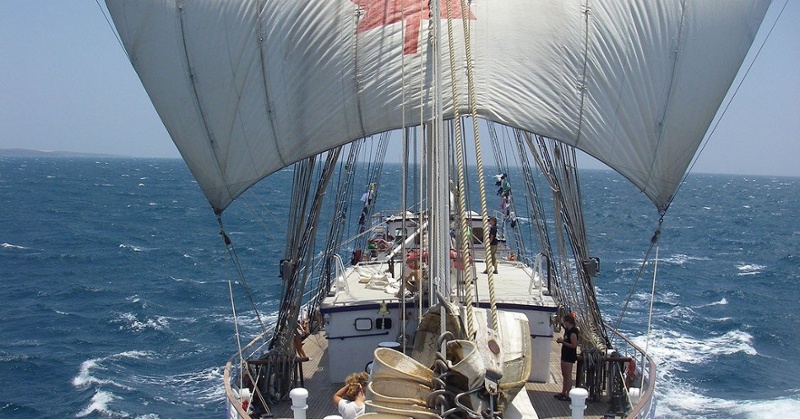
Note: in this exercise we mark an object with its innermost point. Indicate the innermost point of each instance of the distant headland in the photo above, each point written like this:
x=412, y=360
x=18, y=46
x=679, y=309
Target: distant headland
x=22, y=152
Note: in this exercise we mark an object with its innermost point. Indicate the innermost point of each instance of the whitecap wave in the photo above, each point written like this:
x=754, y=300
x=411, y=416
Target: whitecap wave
x=8, y=357
x=191, y=281
x=684, y=314
x=131, y=247
x=681, y=259
x=85, y=376
x=722, y=319
x=757, y=409
x=13, y=246
x=680, y=402
x=204, y=385
x=721, y=302
x=99, y=404
x=749, y=269
x=674, y=349
x=159, y=323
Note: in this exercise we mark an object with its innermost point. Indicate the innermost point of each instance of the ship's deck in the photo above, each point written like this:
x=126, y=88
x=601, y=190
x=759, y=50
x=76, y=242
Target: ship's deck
x=315, y=380
x=515, y=283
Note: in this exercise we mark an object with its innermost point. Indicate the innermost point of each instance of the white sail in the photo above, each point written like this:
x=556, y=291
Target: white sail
x=247, y=87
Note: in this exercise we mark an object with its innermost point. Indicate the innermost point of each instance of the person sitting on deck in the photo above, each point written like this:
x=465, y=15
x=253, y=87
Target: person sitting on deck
x=349, y=399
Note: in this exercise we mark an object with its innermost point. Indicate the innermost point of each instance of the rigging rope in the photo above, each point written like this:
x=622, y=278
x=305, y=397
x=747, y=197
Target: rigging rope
x=466, y=259
x=235, y=259
x=236, y=331
x=653, y=242
x=473, y=105
x=650, y=314
x=558, y=164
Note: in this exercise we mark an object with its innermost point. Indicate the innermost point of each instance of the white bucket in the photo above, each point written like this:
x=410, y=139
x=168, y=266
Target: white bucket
x=391, y=364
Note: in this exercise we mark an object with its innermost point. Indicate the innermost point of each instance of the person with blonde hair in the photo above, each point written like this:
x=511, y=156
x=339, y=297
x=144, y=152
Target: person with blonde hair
x=349, y=399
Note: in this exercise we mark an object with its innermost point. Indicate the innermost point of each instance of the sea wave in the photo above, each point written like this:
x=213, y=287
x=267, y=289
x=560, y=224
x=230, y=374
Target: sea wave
x=749, y=269
x=87, y=378
x=159, y=323
x=203, y=385
x=678, y=402
x=721, y=302
x=177, y=375
x=681, y=259
x=677, y=352
x=99, y=404
x=758, y=409
x=674, y=348
x=134, y=247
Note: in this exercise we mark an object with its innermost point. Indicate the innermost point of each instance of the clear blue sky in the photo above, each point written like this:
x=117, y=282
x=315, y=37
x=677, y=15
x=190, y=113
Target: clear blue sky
x=66, y=85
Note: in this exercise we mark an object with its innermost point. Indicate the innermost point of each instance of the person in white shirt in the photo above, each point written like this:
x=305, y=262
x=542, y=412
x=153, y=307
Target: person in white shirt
x=349, y=399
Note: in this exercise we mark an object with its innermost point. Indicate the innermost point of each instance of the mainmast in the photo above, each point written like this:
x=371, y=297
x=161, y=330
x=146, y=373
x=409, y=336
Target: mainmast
x=439, y=168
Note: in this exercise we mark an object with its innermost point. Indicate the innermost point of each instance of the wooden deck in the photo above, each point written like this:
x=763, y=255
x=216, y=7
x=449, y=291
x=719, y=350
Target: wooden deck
x=315, y=379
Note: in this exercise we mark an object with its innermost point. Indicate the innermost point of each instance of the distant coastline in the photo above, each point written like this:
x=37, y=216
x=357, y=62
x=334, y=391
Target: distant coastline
x=22, y=152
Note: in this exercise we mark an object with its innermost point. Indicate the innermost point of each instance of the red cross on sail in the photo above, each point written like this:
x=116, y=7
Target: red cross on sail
x=386, y=12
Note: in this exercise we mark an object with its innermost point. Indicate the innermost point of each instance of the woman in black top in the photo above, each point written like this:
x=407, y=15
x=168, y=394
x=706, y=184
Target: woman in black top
x=569, y=354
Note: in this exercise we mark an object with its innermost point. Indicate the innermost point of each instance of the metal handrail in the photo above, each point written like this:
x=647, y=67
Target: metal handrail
x=644, y=408
x=233, y=397
x=251, y=348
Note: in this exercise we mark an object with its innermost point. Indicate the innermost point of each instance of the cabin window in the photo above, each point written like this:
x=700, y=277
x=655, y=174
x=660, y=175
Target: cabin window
x=383, y=323
x=363, y=324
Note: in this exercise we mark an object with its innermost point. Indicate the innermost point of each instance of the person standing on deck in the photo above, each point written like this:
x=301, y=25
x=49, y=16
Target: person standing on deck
x=301, y=332
x=491, y=256
x=569, y=354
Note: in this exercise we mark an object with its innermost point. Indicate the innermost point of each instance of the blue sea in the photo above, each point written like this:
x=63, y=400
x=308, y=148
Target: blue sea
x=114, y=287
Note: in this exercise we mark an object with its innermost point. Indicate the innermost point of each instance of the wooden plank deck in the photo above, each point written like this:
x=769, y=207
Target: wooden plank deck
x=320, y=404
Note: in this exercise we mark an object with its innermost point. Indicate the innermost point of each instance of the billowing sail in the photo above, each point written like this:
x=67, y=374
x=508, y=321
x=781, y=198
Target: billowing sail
x=246, y=87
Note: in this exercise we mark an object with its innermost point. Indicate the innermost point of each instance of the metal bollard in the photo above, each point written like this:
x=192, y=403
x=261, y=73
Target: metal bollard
x=299, y=397
x=578, y=405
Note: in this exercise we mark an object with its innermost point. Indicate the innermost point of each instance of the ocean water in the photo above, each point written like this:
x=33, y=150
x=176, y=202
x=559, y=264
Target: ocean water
x=114, y=287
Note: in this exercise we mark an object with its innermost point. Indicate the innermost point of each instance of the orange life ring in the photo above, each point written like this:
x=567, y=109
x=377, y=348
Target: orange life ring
x=458, y=262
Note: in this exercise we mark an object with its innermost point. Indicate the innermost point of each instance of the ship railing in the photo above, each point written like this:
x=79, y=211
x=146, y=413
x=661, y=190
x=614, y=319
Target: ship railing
x=233, y=368
x=536, y=266
x=340, y=282
x=646, y=376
